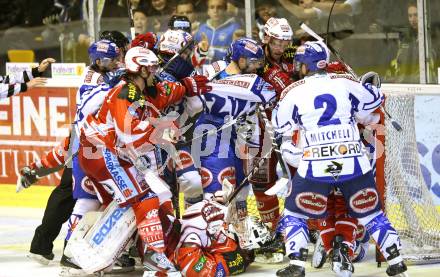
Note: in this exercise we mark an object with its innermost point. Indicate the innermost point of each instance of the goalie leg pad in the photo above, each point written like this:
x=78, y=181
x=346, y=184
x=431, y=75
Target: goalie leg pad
x=295, y=231
x=380, y=229
x=82, y=206
x=99, y=247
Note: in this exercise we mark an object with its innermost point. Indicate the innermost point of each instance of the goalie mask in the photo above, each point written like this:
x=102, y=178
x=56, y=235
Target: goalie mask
x=255, y=233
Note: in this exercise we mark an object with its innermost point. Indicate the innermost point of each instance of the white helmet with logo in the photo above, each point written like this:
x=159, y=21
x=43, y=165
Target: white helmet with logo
x=173, y=40
x=137, y=57
x=278, y=28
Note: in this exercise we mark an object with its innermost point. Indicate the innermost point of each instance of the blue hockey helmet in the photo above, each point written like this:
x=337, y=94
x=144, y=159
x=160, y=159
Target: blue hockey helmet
x=103, y=49
x=245, y=48
x=314, y=54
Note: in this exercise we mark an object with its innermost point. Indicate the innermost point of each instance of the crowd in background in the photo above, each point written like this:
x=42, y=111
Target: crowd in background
x=358, y=28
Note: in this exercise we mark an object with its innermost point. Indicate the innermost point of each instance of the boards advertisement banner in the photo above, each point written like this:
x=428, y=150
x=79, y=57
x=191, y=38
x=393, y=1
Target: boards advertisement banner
x=30, y=125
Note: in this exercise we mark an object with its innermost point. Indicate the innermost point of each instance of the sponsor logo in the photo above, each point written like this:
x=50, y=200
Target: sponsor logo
x=227, y=173
x=185, y=160
x=311, y=203
x=108, y=225
x=364, y=200
x=200, y=264
x=114, y=170
x=87, y=185
x=237, y=265
x=321, y=64
x=206, y=177
x=102, y=47
x=253, y=48
x=349, y=149
x=334, y=169
x=152, y=213
x=237, y=83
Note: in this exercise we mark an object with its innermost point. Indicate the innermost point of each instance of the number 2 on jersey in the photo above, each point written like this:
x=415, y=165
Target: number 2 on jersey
x=330, y=109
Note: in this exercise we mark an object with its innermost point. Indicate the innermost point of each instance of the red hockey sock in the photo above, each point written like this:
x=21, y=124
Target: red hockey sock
x=327, y=228
x=268, y=206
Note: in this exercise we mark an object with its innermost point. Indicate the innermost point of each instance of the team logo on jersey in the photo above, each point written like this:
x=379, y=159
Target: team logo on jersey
x=312, y=203
x=206, y=177
x=87, y=185
x=334, y=169
x=227, y=173
x=364, y=200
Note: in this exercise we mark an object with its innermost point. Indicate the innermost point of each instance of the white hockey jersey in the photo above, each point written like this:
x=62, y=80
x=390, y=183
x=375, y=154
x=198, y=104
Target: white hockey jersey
x=325, y=108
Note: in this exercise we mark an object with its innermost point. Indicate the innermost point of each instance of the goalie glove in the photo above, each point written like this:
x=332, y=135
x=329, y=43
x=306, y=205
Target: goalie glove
x=371, y=78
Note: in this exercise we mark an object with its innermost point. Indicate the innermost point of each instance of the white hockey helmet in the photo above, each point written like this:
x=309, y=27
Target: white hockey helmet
x=137, y=57
x=278, y=28
x=173, y=40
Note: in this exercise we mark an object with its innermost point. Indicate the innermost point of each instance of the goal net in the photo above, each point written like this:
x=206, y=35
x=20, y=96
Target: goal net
x=408, y=202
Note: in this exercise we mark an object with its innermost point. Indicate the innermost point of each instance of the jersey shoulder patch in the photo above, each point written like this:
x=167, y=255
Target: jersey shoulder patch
x=291, y=86
x=345, y=76
x=131, y=93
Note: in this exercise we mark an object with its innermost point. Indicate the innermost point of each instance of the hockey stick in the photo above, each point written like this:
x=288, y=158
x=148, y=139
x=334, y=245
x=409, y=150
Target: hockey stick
x=312, y=33
x=130, y=16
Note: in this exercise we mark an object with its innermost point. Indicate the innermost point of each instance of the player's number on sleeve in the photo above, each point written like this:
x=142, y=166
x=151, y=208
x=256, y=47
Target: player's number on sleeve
x=328, y=102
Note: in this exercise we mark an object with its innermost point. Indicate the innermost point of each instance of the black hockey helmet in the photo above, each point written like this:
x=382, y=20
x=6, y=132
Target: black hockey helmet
x=116, y=37
x=180, y=22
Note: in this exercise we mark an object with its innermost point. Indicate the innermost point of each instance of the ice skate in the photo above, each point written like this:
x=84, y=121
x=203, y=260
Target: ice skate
x=341, y=263
x=41, y=259
x=319, y=254
x=296, y=267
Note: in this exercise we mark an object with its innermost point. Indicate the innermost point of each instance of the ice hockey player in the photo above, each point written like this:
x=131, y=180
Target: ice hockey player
x=14, y=84
x=118, y=145
x=180, y=168
x=200, y=53
x=99, y=77
x=279, y=71
x=207, y=247
x=332, y=156
x=338, y=222
x=237, y=89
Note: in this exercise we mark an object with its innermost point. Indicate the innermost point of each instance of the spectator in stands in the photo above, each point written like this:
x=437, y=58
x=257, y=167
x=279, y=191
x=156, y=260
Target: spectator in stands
x=140, y=21
x=160, y=10
x=263, y=11
x=405, y=67
x=217, y=30
x=186, y=8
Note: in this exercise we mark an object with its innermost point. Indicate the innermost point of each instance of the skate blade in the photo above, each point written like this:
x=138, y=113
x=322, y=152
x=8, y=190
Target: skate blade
x=38, y=258
x=71, y=272
x=274, y=258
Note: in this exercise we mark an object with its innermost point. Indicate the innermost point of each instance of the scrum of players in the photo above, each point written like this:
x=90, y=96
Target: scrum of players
x=150, y=123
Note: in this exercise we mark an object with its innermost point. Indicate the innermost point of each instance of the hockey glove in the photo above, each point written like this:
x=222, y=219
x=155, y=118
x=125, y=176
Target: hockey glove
x=28, y=177
x=196, y=85
x=278, y=79
x=336, y=67
x=147, y=40
x=371, y=78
